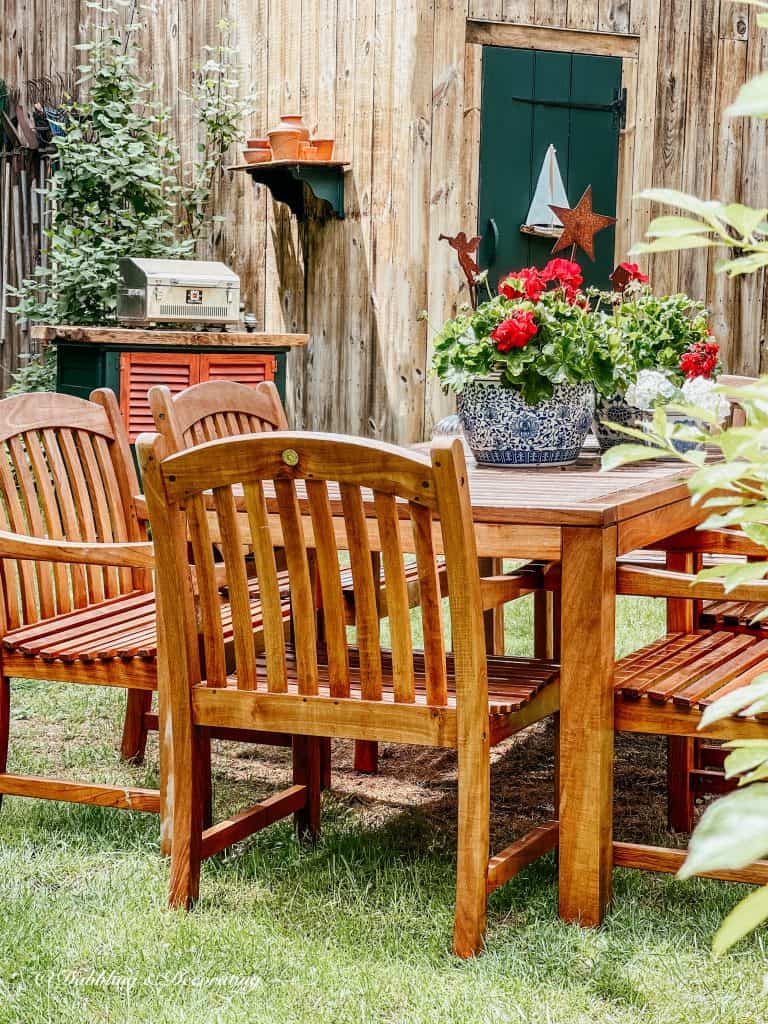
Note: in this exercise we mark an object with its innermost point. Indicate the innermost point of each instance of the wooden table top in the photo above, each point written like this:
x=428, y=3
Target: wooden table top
x=642, y=500
x=575, y=495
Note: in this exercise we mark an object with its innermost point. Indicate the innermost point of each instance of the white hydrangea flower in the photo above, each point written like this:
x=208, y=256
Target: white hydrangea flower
x=701, y=392
x=651, y=388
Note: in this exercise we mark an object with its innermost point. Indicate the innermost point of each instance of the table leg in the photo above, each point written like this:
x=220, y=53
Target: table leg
x=494, y=617
x=681, y=618
x=586, y=722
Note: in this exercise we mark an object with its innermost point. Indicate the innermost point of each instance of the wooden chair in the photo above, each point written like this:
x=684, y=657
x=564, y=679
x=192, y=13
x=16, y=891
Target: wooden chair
x=695, y=766
x=665, y=687
x=76, y=597
x=459, y=701
x=217, y=409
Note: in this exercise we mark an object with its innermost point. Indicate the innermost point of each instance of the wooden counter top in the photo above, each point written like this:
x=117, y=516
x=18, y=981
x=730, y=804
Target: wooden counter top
x=159, y=339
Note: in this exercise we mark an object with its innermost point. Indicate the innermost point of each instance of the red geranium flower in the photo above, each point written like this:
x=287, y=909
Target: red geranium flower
x=534, y=284
x=635, y=274
x=568, y=275
x=700, y=360
x=516, y=331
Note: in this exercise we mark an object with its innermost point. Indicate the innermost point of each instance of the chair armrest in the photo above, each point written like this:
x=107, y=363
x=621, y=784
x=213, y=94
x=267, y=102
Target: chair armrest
x=637, y=581
x=712, y=542
x=526, y=579
x=126, y=554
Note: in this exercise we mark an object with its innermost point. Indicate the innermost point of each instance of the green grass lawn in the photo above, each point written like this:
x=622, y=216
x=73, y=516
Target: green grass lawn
x=356, y=929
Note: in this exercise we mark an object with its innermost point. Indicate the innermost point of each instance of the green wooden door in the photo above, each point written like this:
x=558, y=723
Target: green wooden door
x=531, y=99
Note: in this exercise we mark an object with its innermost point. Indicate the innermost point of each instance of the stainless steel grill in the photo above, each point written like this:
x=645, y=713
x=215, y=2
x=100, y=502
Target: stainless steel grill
x=177, y=291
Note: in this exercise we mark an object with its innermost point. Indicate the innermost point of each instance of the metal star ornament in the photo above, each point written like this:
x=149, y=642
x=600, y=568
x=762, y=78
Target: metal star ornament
x=580, y=225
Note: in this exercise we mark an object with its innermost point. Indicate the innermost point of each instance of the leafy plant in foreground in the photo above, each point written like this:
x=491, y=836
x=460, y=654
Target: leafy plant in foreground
x=733, y=831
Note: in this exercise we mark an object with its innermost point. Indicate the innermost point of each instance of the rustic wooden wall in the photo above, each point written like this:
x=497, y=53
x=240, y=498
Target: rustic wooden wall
x=395, y=82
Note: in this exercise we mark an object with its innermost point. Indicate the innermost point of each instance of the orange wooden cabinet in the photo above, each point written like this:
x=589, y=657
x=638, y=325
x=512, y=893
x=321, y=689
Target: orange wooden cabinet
x=139, y=371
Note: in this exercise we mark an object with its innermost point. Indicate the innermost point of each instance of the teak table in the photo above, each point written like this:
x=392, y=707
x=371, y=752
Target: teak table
x=585, y=519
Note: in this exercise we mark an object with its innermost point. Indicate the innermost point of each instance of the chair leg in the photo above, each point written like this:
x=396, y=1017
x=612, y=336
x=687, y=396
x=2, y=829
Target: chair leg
x=205, y=776
x=366, y=756
x=473, y=849
x=5, y=723
x=325, y=764
x=134, y=740
x=307, y=757
x=680, y=802
x=189, y=764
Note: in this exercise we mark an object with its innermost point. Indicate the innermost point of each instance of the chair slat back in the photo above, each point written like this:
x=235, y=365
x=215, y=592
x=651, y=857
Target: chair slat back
x=66, y=473
x=215, y=409
x=319, y=494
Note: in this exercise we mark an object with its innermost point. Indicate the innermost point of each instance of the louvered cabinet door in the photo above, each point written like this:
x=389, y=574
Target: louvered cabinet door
x=243, y=367
x=139, y=371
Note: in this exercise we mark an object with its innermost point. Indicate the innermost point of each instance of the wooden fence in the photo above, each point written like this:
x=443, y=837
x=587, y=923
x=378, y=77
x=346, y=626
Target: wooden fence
x=397, y=83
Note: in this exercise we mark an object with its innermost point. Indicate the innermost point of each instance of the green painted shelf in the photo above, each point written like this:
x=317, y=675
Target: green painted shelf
x=288, y=179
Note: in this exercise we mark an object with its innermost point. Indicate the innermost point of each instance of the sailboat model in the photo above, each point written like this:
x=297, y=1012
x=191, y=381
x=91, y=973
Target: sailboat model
x=550, y=189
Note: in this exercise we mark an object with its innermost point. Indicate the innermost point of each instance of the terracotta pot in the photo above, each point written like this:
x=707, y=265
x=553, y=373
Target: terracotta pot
x=295, y=122
x=324, y=148
x=285, y=143
x=257, y=156
x=258, y=143
x=308, y=151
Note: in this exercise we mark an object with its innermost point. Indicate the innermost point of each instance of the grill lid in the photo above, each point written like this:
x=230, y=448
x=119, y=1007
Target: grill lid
x=141, y=273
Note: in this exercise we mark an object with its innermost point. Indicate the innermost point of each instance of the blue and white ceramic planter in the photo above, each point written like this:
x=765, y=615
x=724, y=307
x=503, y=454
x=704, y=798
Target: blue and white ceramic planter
x=503, y=430
x=616, y=410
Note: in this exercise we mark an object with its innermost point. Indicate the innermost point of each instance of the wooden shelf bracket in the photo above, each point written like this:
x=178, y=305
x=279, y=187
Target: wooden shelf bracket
x=287, y=181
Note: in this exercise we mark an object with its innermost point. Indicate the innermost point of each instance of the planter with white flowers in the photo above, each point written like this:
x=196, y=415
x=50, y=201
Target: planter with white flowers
x=666, y=343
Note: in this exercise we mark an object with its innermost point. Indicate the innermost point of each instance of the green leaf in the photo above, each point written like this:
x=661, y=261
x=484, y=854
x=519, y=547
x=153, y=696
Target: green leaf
x=623, y=454
x=710, y=478
x=673, y=244
x=743, y=919
x=758, y=532
x=743, y=264
x=744, y=218
x=708, y=209
x=732, y=833
x=745, y=758
x=733, y=703
x=675, y=227
x=752, y=100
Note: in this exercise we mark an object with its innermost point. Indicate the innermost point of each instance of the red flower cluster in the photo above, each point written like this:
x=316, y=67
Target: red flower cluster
x=534, y=285
x=635, y=274
x=700, y=360
x=566, y=273
x=516, y=331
